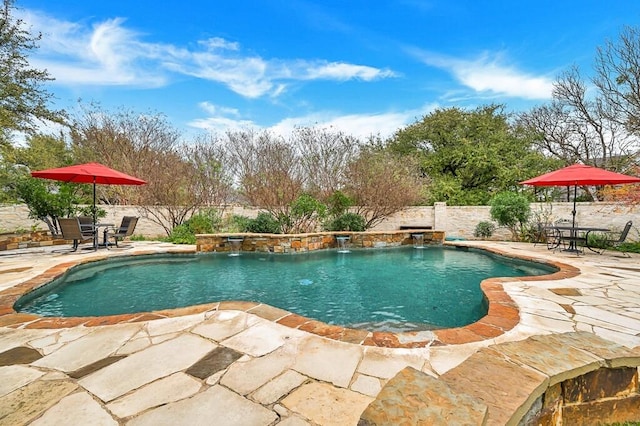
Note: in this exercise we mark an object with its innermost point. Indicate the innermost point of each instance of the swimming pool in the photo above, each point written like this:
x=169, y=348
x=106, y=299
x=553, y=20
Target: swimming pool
x=398, y=289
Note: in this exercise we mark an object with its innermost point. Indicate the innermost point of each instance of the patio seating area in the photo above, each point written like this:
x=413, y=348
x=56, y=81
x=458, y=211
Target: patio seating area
x=240, y=363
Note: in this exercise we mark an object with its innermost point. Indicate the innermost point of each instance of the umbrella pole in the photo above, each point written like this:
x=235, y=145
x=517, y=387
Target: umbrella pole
x=575, y=192
x=95, y=231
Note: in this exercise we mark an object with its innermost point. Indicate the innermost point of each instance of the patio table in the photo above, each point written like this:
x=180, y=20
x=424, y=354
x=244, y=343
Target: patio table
x=574, y=235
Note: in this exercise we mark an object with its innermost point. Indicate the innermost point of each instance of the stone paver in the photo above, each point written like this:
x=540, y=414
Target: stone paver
x=216, y=405
x=385, y=363
x=146, y=366
x=302, y=373
x=246, y=376
x=327, y=360
x=169, y=389
x=278, y=387
x=23, y=405
x=260, y=339
x=103, y=342
x=327, y=405
x=13, y=377
x=78, y=409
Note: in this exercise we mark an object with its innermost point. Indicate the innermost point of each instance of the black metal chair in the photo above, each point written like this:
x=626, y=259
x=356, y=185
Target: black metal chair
x=613, y=240
x=127, y=226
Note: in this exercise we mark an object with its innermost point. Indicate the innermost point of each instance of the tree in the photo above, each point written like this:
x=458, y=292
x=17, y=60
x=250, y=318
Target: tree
x=181, y=177
x=46, y=204
x=268, y=171
x=324, y=156
x=23, y=100
x=39, y=152
x=617, y=78
x=381, y=183
x=511, y=210
x=469, y=155
x=574, y=128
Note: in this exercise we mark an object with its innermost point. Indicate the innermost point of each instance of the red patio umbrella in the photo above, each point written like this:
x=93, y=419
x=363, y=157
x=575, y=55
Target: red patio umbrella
x=89, y=173
x=580, y=175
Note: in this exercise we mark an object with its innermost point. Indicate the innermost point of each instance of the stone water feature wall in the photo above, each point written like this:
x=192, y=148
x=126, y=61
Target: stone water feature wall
x=291, y=243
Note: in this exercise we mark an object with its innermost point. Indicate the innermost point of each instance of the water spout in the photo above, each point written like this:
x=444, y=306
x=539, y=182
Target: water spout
x=418, y=241
x=342, y=243
x=236, y=243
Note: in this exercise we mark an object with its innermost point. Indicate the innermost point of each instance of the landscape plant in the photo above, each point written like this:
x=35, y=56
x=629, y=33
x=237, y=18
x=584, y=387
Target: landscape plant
x=512, y=210
x=484, y=229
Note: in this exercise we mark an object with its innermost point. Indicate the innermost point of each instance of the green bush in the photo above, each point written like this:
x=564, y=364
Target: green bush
x=511, y=210
x=182, y=234
x=484, y=229
x=339, y=203
x=205, y=222
x=238, y=223
x=264, y=223
x=347, y=222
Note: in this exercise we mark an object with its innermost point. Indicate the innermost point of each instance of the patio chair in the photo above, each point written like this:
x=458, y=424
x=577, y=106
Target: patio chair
x=127, y=226
x=86, y=226
x=613, y=240
x=72, y=231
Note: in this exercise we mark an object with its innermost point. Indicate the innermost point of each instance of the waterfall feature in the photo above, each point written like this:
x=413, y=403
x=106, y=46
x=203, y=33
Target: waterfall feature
x=236, y=243
x=342, y=244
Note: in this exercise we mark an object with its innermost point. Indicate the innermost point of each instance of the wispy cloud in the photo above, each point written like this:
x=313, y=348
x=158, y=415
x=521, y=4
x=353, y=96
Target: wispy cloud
x=488, y=75
x=108, y=53
x=222, y=119
x=104, y=54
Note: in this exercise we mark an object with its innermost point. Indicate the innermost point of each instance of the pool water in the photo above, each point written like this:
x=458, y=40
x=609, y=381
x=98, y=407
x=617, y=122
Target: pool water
x=397, y=289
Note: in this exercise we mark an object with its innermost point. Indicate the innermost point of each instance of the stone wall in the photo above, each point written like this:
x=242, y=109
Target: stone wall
x=278, y=243
x=455, y=221
x=609, y=395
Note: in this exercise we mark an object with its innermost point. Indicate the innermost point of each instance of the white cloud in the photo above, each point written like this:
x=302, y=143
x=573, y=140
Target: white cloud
x=108, y=53
x=487, y=75
x=342, y=71
x=358, y=125
x=105, y=54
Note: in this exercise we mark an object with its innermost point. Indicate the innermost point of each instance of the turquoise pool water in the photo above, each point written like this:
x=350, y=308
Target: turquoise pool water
x=397, y=289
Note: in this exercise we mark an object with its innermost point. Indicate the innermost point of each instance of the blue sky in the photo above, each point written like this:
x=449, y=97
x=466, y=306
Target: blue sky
x=362, y=67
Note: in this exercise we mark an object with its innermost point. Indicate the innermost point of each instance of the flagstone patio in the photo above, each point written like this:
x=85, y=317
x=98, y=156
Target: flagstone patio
x=246, y=363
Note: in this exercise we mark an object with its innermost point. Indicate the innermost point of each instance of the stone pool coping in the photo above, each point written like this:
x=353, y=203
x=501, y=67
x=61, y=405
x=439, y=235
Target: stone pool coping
x=503, y=313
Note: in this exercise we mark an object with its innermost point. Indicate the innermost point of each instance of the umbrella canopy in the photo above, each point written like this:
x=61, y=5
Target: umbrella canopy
x=89, y=173
x=580, y=175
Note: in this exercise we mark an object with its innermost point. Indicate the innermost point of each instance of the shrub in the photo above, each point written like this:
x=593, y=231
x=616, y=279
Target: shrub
x=305, y=213
x=511, y=210
x=182, y=234
x=484, y=229
x=205, y=222
x=347, y=222
x=264, y=223
x=338, y=203
x=238, y=223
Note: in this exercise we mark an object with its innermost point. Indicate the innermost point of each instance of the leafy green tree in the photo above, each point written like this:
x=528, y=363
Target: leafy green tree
x=23, y=100
x=45, y=204
x=39, y=152
x=512, y=210
x=469, y=155
x=304, y=214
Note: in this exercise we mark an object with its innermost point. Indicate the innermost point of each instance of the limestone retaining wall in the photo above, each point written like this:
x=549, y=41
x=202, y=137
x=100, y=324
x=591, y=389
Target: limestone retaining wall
x=455, y=221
